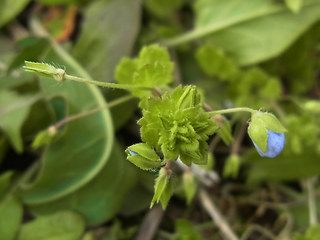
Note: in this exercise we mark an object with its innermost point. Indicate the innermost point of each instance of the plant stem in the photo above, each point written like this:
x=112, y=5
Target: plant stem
x=92, y=111
x=311, y=202
x=232, y=110
x=216, y=216
x=106, y=84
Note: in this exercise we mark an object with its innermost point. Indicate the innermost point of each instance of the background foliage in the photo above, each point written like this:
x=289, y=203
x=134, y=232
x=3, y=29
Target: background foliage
x=78, y=185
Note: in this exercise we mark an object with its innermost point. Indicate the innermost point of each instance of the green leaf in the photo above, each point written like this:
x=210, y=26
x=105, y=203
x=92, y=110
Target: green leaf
x=64, y=225
x=294, y=5
x=14, y=110
x=9, y=10
x=104, y=41
x=214, y=62
x=160, y=189
x=249, y=30
x=189, y=185
x=286, y=167
x=259, y=134
x=253, y=87
x=10, y=217
x=100, y=199
x=143, y=156
x=163, y=8
x=270, y=121
x=84, y=148
x=166, y=195
x=152, y=68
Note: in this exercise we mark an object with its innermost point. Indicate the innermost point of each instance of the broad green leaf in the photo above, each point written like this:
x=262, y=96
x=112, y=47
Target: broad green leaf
x=64, y=225
x=163, y=8
x=10, y=217
x=14, y=110
x=9, y=10
x=287, y=166
x=100, y=199
x=250, y=31
x=29, y=49
x=86, y=144
x=103, y=40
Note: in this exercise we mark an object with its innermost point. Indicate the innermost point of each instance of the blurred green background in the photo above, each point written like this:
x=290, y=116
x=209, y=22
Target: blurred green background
x=260, y=54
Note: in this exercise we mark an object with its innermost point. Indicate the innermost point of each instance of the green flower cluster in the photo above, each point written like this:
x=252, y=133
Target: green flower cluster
x=177, y=125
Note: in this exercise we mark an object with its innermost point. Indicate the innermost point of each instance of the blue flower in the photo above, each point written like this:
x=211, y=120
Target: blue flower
x=275, y=144
x=132, y=152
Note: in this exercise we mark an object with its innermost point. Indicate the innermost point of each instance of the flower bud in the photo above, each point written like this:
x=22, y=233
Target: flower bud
x=143, y=156
x=275, y=144
x=267, y=134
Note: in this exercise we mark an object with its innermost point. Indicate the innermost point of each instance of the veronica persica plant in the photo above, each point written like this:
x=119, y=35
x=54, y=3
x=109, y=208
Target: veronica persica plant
x=177, y=125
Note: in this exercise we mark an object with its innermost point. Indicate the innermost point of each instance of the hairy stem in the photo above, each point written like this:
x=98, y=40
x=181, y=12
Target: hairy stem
x=106, y=84
x=233, y=110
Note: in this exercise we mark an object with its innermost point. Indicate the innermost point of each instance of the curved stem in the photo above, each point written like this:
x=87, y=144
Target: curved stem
x=232, y=110
x=216, y=216
x=92, y=111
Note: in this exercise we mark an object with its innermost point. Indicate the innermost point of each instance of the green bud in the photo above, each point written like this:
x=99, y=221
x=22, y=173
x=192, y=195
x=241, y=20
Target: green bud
x=231, y=168
x=189, y=98
x=143, y=156
x=189, y=185
x=163, y=188
x=44, y=138
x=46, y=70
x=259, y=125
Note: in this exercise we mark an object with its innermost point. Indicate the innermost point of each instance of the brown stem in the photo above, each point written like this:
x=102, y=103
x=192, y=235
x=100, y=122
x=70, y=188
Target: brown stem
x=216, y=216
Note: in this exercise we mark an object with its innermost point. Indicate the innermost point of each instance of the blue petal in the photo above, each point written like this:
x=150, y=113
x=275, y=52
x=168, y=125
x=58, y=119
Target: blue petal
x=275, y=144
x=132, y=152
